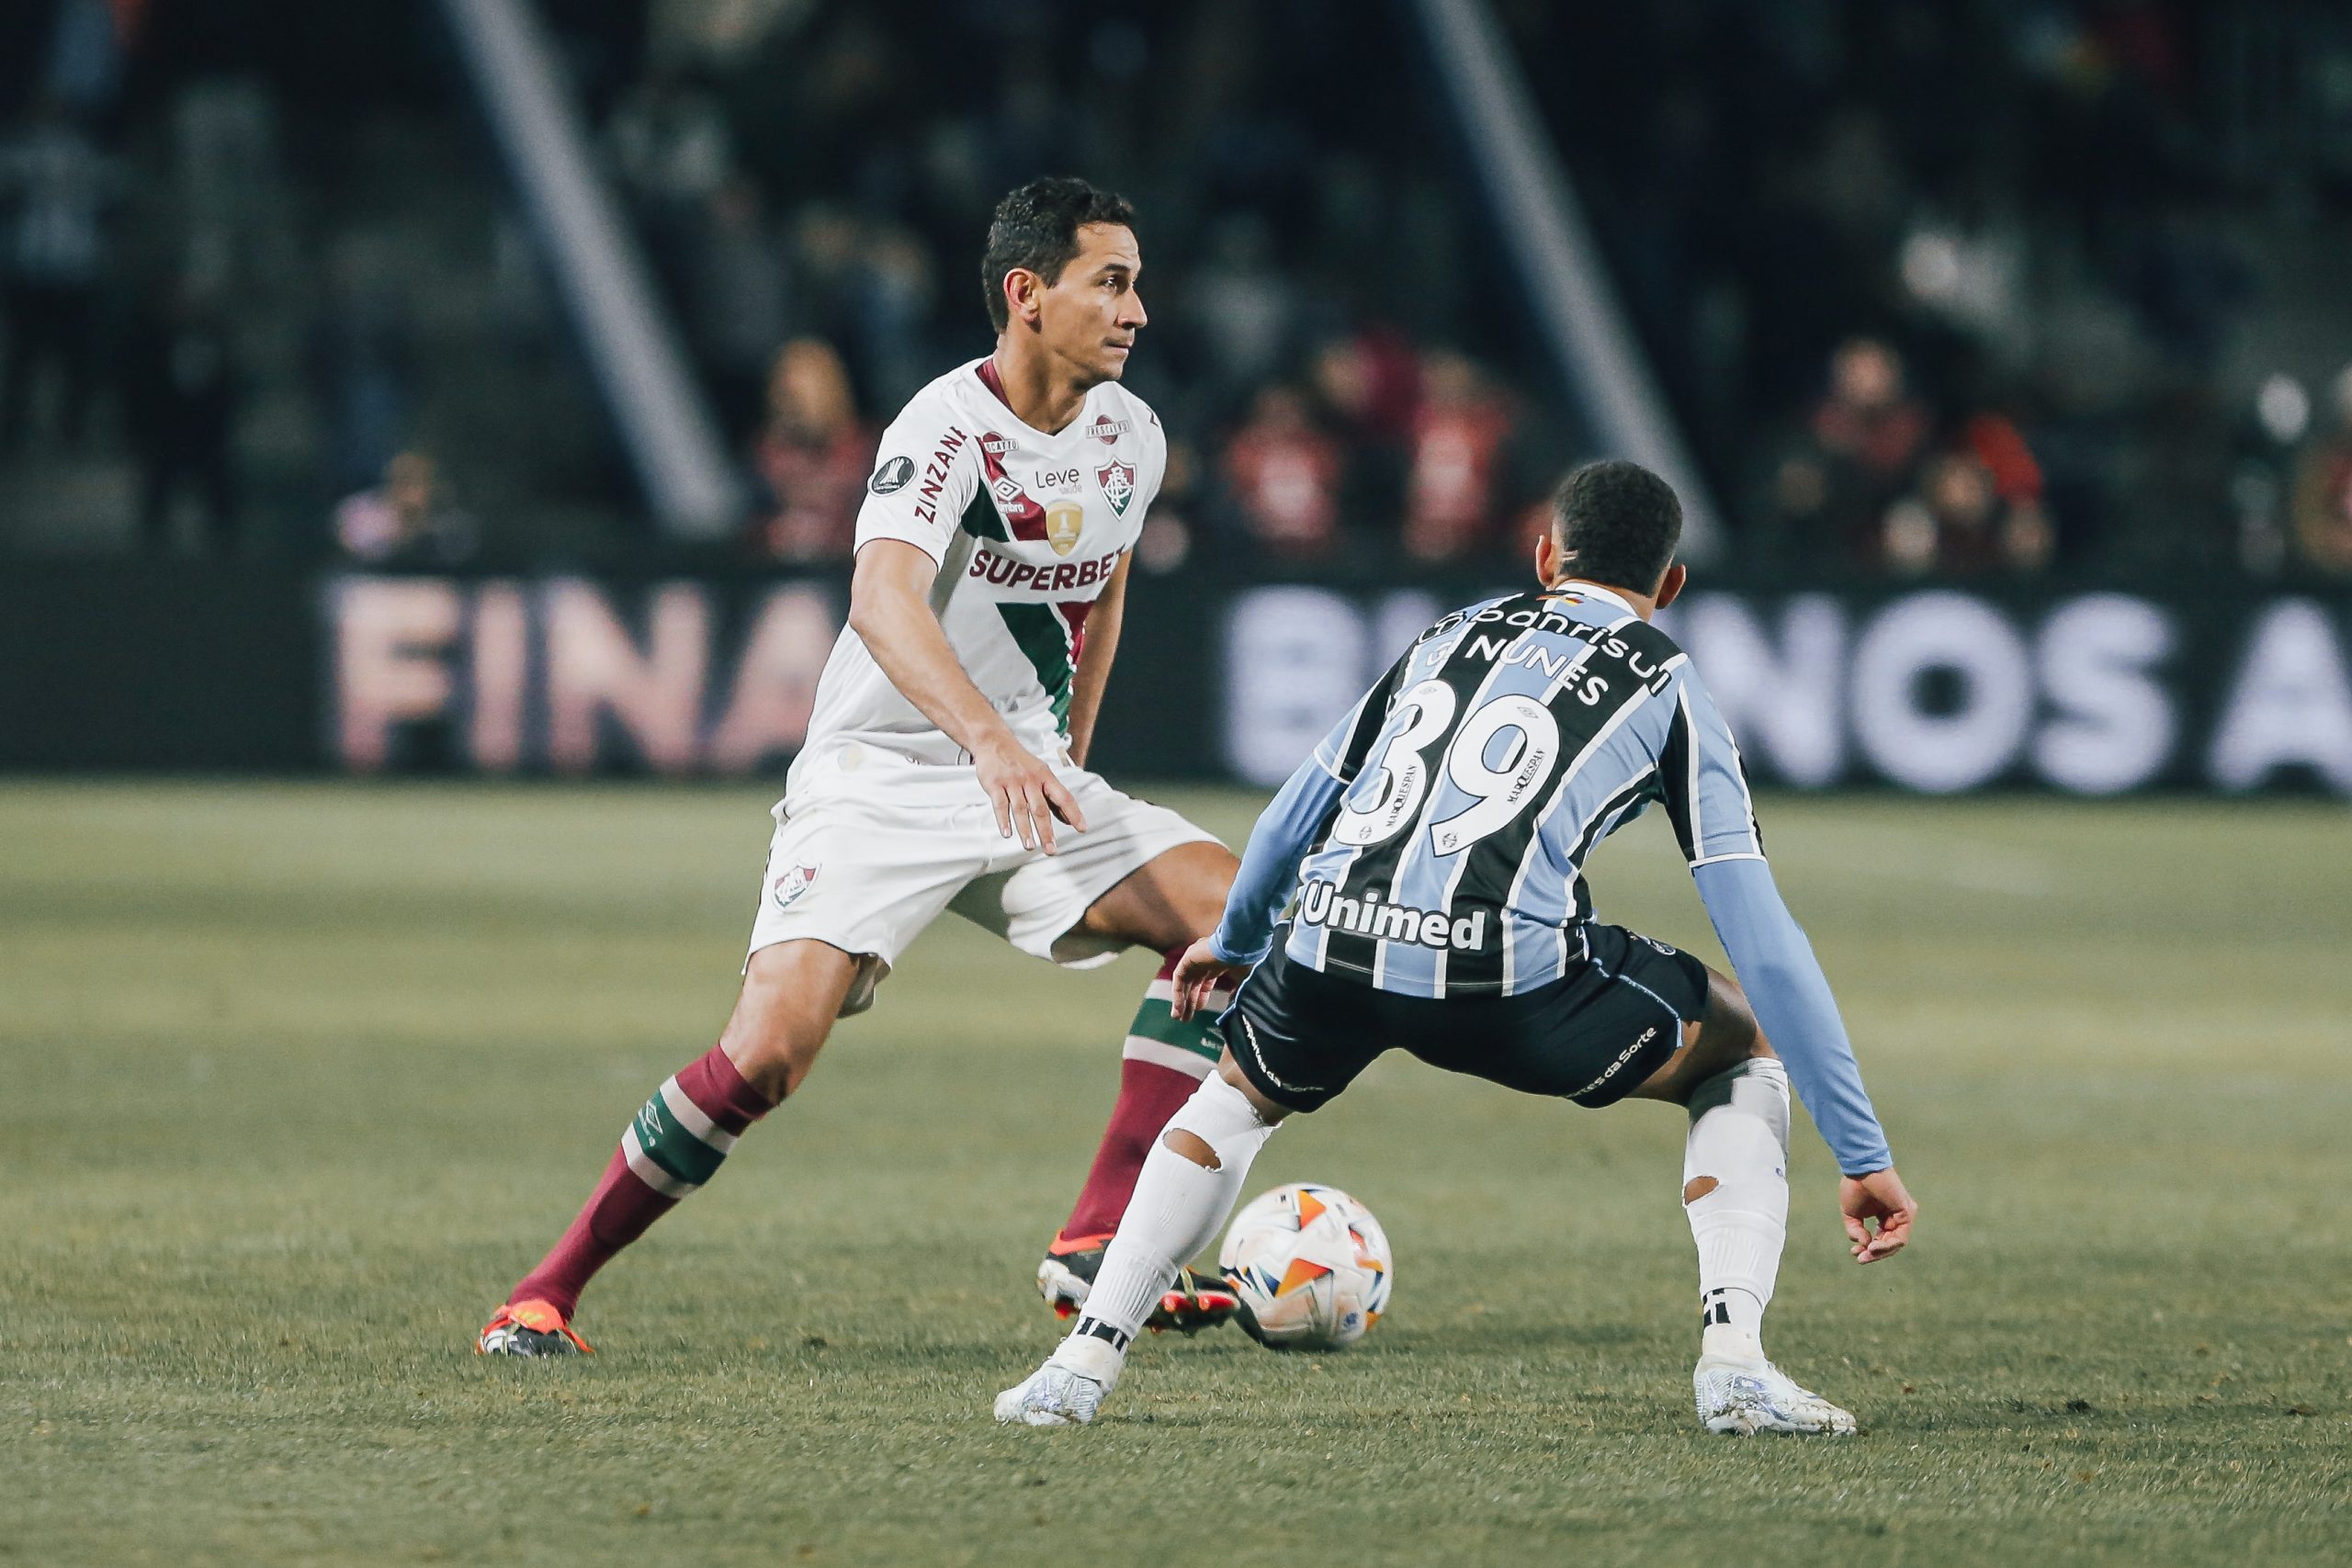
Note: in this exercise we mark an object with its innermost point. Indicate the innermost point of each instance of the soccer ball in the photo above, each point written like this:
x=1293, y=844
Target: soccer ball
x=1311, y=1267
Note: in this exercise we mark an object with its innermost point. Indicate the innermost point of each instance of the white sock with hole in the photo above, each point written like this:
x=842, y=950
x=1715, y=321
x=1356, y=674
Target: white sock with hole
x=1176, y=1209
x=1739, y=1143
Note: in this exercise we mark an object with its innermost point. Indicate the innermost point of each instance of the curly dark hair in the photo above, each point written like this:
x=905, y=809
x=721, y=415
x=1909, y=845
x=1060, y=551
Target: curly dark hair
x=1617, y=523
x=1035, y=229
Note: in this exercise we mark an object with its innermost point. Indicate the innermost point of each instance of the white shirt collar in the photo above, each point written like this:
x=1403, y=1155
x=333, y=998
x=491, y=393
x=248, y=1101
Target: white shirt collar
x=1578, y=586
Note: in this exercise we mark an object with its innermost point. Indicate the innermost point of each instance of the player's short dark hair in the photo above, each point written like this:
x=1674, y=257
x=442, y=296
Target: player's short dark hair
x=1617, y=523
x=1035, y=228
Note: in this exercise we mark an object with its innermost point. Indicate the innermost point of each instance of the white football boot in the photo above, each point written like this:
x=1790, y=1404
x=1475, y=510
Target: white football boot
x=1068, y=1390
x=1741, y=1395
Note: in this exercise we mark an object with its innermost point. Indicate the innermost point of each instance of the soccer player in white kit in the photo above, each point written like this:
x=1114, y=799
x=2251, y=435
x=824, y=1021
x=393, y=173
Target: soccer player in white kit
x=945, y=764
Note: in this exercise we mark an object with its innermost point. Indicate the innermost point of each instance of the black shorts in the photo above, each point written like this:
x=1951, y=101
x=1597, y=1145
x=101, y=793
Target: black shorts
x=1593, y=1036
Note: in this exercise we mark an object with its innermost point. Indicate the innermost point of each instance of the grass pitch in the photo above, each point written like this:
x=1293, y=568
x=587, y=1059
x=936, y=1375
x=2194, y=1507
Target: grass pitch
x=300, y=1077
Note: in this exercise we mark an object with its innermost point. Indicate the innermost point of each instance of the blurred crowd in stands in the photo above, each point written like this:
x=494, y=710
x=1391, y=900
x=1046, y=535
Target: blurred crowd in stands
x=1943, y=292
x=1323, y=400
x=1957, y=289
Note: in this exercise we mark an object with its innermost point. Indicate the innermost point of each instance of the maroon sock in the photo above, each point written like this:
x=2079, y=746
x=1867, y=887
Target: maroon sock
x=675, y=1144
x=1165, y=1062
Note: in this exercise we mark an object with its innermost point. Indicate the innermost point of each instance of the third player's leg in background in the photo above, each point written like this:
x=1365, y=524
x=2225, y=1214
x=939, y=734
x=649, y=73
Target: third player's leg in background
x=1165, y=903
x=1162, y=1062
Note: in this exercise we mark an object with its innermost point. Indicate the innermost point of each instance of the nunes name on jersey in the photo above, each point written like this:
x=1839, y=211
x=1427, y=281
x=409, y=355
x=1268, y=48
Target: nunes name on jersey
x=1479, y=774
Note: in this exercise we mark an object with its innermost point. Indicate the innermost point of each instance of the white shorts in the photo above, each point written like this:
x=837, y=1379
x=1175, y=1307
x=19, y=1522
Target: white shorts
x=867, y=853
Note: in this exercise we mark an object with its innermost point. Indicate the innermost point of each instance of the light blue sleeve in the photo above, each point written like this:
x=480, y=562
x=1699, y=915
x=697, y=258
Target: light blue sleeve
x=1790, y=997
x=1286, y=831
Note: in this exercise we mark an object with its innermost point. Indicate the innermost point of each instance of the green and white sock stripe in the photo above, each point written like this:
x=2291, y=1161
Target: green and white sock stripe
x=1190, y=1047
x=671, y=1147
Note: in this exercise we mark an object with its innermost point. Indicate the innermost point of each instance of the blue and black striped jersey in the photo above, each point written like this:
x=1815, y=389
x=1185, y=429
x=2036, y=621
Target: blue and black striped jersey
x=1435, y=842
x=1478, y=774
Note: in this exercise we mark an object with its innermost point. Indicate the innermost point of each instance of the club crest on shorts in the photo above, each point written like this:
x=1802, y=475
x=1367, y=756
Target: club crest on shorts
x=1064, y=520
x=796, y=880
x=1118, y=482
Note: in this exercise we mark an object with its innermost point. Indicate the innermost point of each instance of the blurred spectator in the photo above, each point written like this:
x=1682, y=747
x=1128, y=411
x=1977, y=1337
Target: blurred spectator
x=674, y=151
x=735, y=313
x=85, y=52
x=53, y=189
x=2261, y=474
x=1958, y=525
x=1241, y=306
x=1997, y=444
x=1867, y=437
x=1453, y=487
x=1284, y=475
x=1373, y=381
x=1869, y=419
x=180, y=397
x=362, y=367
x=2187, y=285
x=1966, y=265
x=813, y=454
x=2322, y=516
x=1168, y=528
x=404, y=521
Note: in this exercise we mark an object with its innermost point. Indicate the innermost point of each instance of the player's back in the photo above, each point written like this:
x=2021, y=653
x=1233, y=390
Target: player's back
x=1513, y=738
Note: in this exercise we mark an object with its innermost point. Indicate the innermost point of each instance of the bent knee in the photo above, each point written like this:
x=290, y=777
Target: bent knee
x=1730, y=1031
x=773, y=1050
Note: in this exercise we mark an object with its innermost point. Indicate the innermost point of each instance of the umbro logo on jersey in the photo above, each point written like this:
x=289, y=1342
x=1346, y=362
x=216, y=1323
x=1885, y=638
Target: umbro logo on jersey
x=892, y=476
x=1320, y=905
x=1008, y=490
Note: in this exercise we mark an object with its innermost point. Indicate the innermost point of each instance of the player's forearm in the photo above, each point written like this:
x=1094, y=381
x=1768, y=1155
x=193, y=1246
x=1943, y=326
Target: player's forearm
x=1268, y=870
x=1791, y=1000
x=907, y=641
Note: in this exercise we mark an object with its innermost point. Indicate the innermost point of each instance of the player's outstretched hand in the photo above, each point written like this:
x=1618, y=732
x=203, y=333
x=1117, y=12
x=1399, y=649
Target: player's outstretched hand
x=1198, y=973
x=1878, y=1196
x=1026, y=795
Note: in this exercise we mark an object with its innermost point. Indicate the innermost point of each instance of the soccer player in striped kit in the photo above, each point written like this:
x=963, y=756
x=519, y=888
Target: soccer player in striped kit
x=947, y=743
x=1433, y=853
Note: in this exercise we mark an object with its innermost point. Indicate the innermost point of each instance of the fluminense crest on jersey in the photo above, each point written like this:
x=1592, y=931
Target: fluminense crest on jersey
x=1117, y=481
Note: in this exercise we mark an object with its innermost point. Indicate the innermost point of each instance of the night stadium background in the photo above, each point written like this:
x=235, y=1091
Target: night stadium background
x=430, y=442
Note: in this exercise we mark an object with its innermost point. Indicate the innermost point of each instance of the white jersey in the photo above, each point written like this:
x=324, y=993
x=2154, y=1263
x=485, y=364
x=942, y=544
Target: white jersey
x=1026, y=528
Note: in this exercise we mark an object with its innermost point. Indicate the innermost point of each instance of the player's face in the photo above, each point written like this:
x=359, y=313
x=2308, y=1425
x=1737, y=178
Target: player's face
x=1089, y=317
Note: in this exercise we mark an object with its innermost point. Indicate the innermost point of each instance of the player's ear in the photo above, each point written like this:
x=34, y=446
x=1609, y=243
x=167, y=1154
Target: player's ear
x=1022, y=288
x=1548, y=558
x=1671, y=583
